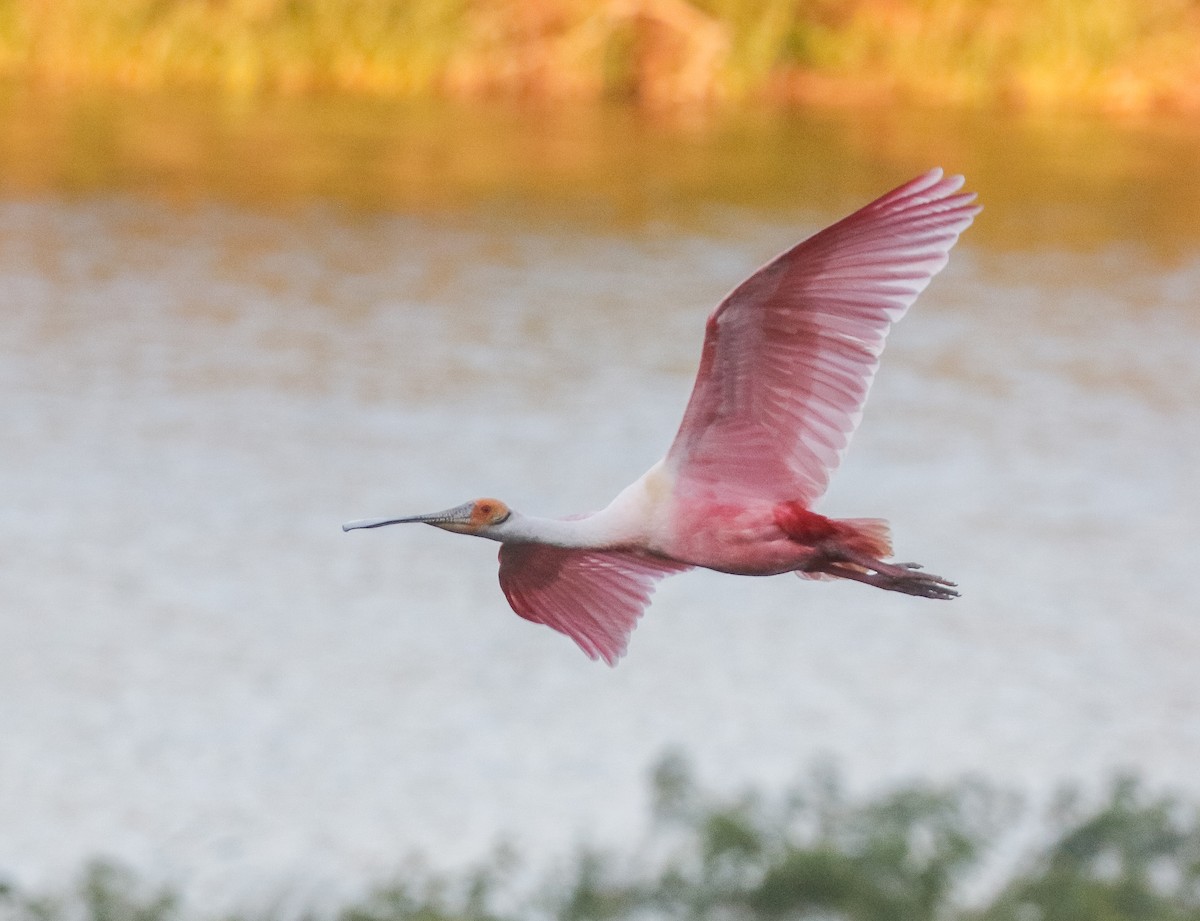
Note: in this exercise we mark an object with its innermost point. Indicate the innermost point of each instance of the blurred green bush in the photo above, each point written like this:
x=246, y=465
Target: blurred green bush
x=811, y=853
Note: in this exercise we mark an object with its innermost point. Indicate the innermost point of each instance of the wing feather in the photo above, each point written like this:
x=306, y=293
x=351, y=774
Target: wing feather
x=790, y=354
x=593, y=596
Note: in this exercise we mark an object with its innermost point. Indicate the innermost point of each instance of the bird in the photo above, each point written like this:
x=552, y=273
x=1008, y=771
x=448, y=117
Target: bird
x=787, y=361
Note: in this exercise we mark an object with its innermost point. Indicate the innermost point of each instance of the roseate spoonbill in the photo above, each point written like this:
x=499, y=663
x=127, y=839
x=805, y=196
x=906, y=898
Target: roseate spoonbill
x=787, y=361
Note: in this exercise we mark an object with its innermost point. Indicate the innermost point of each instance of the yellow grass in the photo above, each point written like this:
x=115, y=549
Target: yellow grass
x=1123, y=55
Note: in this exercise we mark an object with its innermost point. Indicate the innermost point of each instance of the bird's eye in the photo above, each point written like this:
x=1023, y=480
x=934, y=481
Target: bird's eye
x=486, y=509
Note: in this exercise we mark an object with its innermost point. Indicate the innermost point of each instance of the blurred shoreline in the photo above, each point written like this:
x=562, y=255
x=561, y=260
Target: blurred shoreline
x=1115, y=56
x=1069, y=181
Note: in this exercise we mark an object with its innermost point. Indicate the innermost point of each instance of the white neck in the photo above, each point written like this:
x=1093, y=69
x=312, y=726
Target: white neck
x=632, y=519
x=598, y=531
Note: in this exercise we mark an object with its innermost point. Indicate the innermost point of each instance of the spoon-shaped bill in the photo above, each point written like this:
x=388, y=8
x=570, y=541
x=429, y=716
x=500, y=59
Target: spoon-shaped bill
x=460, y=514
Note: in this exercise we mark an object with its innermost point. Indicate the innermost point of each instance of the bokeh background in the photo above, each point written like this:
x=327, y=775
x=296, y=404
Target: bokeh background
x=267, y=266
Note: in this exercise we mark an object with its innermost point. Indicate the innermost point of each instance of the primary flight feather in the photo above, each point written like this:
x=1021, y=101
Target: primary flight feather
x=787, y=362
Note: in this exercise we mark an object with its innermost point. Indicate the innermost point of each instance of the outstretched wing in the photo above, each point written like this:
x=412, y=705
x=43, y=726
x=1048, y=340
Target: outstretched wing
x=593, y=596
x=789, y=355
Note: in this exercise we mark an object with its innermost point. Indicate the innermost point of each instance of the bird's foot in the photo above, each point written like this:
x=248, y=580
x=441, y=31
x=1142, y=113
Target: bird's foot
x=910, y=579
x=907, y=578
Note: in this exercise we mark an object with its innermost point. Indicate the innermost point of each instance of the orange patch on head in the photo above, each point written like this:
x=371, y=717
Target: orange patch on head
x=488, y=511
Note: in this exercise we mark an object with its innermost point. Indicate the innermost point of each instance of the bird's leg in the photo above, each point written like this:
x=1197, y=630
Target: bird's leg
x=894, y=577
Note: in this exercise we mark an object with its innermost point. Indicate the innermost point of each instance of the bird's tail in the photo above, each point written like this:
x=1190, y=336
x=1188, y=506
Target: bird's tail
x=862, y=538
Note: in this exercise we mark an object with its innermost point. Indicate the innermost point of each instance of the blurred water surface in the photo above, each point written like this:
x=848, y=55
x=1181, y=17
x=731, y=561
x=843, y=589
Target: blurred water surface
x=227, y=332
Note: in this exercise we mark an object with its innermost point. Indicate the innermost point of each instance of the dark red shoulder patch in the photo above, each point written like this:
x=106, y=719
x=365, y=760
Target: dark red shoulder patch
x=802, y=524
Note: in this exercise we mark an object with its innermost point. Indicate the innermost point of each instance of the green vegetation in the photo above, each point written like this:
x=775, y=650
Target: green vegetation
x=811, y=854
x=1123, y=55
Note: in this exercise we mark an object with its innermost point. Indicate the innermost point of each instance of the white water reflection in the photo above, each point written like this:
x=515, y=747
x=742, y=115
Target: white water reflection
x=200, y=674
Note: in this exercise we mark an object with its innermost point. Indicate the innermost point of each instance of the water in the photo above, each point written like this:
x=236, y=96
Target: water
x=201, y=377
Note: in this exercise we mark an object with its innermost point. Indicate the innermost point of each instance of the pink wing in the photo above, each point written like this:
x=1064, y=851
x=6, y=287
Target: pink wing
x=593, y=596
x=789, y=355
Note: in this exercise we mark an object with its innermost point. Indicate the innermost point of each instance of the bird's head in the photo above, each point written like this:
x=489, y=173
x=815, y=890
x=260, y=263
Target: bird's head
x=482, y=517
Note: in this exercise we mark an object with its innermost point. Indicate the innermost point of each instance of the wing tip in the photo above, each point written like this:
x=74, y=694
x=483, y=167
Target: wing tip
x=611, y=659
x=931, y=185
x=933, y=197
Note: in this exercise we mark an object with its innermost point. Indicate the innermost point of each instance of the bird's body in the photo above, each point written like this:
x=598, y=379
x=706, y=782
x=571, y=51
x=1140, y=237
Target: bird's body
x=787, y=361
x=699, y=527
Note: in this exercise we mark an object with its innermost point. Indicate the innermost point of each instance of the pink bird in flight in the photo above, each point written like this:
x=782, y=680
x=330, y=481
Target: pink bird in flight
x=788, y=359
